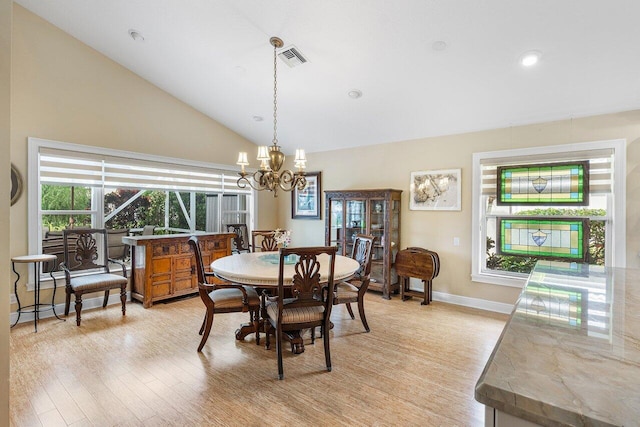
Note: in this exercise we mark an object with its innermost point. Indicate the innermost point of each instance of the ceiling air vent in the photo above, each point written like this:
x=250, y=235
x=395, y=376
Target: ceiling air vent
x=292, y=56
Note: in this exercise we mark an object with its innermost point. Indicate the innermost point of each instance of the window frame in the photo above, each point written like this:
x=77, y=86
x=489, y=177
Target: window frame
x=616, y=206
x=34, y=216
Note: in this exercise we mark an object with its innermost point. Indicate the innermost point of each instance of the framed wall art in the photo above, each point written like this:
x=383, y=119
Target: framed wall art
x=436, y=190
x=305, y=204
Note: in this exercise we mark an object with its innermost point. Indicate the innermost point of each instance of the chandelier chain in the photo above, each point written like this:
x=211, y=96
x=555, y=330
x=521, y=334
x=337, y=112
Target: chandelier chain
x=275, y=96
x=270, y=176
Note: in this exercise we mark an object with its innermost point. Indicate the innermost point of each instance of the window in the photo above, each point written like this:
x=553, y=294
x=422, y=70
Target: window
x=604, y=208
x=79, y=186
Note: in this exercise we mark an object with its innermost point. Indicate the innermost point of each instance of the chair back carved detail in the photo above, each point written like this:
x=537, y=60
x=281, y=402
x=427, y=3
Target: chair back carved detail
x=306, y=280
x=264, y=240
x=362, y=249
x=86, y=253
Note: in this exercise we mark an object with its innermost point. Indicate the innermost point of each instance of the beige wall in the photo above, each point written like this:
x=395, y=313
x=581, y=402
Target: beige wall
x=390, y=165
x=63, y=90
x=5, y=165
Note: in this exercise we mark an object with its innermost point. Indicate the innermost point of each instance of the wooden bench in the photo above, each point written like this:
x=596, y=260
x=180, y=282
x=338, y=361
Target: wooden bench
x=420, y=263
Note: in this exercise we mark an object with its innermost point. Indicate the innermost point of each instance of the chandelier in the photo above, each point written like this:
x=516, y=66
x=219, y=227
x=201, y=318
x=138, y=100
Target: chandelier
x=269, y=176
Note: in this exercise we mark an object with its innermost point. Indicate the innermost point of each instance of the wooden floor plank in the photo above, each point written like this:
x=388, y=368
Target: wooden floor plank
x=63, y=401
x=52, y=418
x=417, y=366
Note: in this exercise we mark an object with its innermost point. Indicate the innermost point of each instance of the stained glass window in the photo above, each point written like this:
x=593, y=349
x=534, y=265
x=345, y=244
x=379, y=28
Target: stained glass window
x=549, y=184
x=562, y=238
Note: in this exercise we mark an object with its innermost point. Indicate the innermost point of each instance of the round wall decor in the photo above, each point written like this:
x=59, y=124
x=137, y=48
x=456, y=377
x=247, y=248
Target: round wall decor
x=16, y=185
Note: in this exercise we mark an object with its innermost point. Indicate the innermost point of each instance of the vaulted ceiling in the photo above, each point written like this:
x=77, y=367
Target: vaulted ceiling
x=424, y=67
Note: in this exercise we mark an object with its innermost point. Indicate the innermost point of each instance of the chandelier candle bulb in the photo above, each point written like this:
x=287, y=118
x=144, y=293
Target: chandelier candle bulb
x=263, y=153
x=301, y=159
x=242, y=160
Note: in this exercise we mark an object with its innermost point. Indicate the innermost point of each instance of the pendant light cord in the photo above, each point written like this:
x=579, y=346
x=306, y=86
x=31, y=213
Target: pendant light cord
x=275, y=99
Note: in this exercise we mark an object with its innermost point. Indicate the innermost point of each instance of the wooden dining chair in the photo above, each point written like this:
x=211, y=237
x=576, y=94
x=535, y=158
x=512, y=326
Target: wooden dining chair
x=354, y=289
x=263, y=241
x=86, y=268
x=310, y=303
x=222, y=298
x=240, y=243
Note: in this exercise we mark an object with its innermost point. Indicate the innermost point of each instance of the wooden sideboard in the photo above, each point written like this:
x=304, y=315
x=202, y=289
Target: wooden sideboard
x=163, y=266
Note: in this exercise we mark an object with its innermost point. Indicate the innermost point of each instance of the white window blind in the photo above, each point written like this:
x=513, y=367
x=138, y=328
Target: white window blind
x=64, y=167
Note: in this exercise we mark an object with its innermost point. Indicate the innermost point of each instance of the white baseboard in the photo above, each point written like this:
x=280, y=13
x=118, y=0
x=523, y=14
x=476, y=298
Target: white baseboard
x=114, y=298
x=481, y=304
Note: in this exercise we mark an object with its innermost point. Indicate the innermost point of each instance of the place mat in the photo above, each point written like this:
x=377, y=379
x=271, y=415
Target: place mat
x=275, y=259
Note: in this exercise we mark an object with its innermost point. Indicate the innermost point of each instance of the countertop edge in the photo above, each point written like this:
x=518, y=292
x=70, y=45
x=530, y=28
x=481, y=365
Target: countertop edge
x=133, y=240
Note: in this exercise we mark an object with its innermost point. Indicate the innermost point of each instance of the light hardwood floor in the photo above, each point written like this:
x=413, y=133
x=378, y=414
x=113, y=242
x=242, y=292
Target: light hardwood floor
x=417, y=366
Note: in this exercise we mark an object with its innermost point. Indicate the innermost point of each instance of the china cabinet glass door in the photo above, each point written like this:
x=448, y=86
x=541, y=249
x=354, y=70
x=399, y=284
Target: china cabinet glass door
x=356, y=222
x=377, y=230
x=336, y=231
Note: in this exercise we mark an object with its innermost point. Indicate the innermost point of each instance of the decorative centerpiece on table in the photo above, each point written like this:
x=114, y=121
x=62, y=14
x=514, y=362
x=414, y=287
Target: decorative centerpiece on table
x=283, y=239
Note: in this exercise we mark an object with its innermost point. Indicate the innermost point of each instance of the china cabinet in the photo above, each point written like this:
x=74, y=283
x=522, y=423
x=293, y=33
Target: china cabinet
x=375, y=212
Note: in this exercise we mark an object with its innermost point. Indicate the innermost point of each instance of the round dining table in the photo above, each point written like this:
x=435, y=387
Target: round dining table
x=261, y=270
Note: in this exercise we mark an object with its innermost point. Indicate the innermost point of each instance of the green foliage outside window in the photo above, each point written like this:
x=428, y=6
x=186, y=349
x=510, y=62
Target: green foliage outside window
x=57, y=198
x=176, y=216
x=522, y=264
x=148, y=209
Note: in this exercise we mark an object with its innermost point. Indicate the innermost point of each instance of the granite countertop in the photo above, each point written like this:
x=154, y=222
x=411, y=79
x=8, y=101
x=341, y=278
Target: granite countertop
x=570, y=353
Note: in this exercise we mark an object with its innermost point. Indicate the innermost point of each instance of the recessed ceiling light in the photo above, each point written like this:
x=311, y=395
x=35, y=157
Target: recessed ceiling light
x=136, y=35
x=530, y=58
x=439, y=45
x=354, y=93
